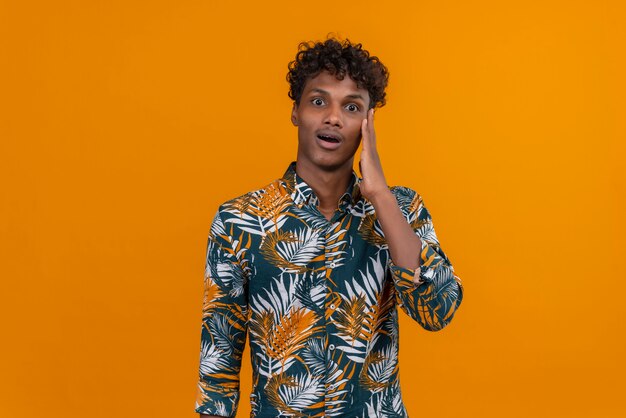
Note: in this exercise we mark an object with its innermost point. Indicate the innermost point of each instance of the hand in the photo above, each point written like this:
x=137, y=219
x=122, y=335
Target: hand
x=373, y=184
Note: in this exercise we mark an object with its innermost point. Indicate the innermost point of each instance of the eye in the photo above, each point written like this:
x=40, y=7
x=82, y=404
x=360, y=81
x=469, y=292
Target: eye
x=317, y=101
x=352, y=107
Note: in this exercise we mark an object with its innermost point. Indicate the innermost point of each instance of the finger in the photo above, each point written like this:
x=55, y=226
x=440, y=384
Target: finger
x=370, y=126
x=365, y=135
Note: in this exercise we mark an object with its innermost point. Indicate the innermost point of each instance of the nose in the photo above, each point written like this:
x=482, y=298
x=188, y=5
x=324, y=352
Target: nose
x=333, y=116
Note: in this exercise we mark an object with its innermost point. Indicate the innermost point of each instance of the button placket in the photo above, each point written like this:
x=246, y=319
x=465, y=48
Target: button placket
x=330, y=305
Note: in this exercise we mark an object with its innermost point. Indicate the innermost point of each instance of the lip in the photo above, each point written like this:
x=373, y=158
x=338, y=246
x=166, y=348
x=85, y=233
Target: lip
x=329, y=145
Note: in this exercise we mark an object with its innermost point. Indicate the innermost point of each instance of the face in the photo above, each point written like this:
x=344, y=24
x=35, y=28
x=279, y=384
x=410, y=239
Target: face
x=329, y=119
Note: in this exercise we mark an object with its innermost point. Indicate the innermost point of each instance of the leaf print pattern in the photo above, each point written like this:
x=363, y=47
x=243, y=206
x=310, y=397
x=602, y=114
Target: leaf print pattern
x=336, y=383
x=293, y=394
x=371, y=231
x=290, y=251
x=318, y=300
x=290, y=334
x=379, y=369
x=310, y=292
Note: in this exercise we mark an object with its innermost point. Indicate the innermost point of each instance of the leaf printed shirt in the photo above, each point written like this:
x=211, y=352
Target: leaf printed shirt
x=318, y=301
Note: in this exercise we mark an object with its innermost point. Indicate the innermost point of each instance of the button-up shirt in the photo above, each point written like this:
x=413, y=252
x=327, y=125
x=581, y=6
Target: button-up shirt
x=318, y=301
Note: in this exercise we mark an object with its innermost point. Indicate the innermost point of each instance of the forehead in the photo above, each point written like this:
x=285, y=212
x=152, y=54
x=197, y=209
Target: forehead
x=330, y=83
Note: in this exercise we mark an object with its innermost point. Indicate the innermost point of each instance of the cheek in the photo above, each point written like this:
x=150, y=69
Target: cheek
x=304, y=131
x=304, y=124
x=355, y=130
x=307, y=124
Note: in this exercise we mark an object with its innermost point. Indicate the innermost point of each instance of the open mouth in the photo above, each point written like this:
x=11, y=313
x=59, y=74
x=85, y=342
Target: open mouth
x=328, y=138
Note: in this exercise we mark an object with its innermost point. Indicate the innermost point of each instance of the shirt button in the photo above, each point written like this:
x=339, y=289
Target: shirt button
x=331, y=347
x=332, y=265
x=332, y=306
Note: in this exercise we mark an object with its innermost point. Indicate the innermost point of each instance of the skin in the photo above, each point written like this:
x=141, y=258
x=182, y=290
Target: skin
x=330, y=104
x=339, y=106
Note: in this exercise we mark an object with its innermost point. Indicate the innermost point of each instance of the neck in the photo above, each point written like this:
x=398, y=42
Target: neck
x=327, y=185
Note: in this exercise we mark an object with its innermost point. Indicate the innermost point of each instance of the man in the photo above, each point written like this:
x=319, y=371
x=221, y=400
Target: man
x=314, y=265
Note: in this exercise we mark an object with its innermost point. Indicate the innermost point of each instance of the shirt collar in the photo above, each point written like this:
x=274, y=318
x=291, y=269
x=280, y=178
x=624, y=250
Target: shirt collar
x=303, y=194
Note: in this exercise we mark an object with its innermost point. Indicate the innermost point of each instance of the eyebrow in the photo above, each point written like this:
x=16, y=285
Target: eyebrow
x=349, y=96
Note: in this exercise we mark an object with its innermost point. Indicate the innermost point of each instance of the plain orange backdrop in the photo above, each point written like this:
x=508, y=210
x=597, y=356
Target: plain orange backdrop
x=124, y=124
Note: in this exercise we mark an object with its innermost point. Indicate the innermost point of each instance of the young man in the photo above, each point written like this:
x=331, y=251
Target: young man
x=314, y=266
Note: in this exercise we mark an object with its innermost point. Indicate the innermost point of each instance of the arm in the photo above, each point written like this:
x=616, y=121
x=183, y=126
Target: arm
x=426, y=287
x=403, y=243
x=430, y=293
x=224, y=324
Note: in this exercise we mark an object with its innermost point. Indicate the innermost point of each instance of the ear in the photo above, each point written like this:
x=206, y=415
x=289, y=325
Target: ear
x=294, y=114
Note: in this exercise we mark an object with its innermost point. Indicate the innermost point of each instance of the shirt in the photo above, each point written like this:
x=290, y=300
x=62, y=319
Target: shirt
x=318, y=300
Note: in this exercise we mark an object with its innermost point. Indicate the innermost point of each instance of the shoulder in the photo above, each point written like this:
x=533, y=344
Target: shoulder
x=247, y=202
x=408, y=199
x=411, y=204
x=403, y=191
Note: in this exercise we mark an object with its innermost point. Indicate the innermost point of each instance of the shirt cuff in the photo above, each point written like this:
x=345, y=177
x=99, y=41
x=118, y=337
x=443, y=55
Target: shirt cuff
x=415, y=277
x=216, y=401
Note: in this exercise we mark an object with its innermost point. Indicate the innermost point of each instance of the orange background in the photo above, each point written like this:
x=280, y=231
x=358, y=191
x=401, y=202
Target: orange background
x=124, y=124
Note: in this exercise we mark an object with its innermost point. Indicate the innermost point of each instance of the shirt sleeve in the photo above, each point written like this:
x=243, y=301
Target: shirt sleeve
x=436, y=296
x=224, y=323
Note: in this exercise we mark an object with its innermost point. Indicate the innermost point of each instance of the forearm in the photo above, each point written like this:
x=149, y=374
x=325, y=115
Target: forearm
x=404, y=245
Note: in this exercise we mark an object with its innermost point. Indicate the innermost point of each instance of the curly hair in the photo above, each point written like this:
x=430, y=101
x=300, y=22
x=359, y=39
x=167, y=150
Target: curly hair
x=338, y=58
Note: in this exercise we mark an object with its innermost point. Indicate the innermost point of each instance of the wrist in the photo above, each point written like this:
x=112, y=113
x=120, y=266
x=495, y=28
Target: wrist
x=382, y=197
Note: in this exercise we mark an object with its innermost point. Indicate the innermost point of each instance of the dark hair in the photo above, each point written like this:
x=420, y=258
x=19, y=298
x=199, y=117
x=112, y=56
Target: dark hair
x=338, y=58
